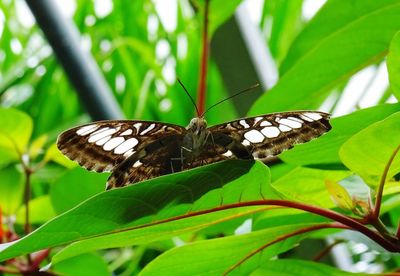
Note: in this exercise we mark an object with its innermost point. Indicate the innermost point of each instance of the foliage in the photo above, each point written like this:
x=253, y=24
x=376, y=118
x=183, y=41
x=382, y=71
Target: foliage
x=220, y=218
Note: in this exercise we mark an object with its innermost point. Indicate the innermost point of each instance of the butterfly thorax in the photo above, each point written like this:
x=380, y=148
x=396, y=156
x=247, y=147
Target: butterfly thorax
x=195, y=137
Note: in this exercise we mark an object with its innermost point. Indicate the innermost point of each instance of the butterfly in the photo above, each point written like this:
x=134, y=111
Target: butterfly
x=135, y=151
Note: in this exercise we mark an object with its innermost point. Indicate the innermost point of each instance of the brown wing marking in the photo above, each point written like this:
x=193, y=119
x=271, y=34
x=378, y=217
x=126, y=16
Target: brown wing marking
x=100, y=146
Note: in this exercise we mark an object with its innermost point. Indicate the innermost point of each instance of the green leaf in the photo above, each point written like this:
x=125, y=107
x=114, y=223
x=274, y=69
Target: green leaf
x=75, y=186
x=154, y=201
x=308, y=185
x=218, y=255
x=84, y=265
x=324, y=150
x=302, y=268
x=339, y=195
x=330, y=50
x=15, y=131
x=368, y=152
x=53, y=154
x=11, y=190
x=393, y=65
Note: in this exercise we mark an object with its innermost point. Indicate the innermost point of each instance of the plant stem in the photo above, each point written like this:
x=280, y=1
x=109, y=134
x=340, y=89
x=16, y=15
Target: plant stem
x=350, y=222
x=201, y=92
x=379, y=194
x=284, y=237
x=27, y=197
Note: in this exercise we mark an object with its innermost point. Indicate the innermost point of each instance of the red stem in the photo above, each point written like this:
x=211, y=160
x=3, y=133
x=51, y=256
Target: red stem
x=379, y=194
x=201, y=92
x=284, y=237
x=352, y=223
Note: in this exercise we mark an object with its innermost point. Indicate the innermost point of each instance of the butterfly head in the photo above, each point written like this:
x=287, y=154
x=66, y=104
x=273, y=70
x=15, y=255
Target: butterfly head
x=197, y=125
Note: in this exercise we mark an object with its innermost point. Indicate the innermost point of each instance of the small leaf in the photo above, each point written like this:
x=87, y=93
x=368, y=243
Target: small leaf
x=360, y=194
x=15, y=131
x=339, y=195
x=393, y=65
x=36, y=146
x=53, y=154
x=11, y=190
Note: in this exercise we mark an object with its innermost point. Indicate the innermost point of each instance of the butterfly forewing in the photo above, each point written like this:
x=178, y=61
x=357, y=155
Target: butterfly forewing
x=100, y=146
x=268, y=135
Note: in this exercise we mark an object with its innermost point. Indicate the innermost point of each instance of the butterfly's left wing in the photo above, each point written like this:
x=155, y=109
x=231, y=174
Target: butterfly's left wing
x=268, y=135
x=101, y=146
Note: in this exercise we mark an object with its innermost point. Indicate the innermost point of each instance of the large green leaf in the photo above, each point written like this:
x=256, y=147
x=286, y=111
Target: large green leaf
x=368, y=152
x=302, y=268
x=324, y=150
x=331, y=50
x=149, y=203
x=213, y=257
x=15, y=131
x=393, y=65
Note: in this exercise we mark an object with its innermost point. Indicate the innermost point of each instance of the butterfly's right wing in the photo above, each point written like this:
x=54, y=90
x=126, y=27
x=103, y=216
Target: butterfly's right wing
x=101, y=146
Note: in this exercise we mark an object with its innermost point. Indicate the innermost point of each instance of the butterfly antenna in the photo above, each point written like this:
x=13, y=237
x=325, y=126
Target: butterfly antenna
x=190, y=97
x=230, y=97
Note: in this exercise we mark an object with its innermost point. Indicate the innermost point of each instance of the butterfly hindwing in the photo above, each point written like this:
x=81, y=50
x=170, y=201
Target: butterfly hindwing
x=100, y=146
x=268, y=135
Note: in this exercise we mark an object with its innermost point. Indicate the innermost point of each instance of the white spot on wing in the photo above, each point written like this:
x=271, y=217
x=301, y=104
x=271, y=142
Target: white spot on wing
x=114, y=142
x=127, y=132
x=290, y=123
x=104, y=140
x=265, y=123
x=137, y=164
x=227, y=154
x=86, y=130
x=313, y=116
x=126, y=146
x=296, y=119
x=254, y=136
x=257, y=119
x=129, y=153
x=150, y=127
x=284, y=128
x=101, y=133
x=137, y=126
x=270, y=132
x=246, y=142
x=244, y=124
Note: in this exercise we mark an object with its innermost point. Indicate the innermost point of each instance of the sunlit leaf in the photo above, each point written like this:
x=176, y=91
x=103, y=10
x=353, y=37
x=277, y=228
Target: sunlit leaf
x=11, y=189
x=367, y=152
x=393, y=65
x=15, y=131
x=40, y=211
